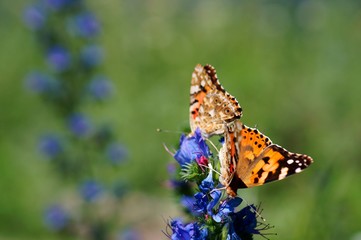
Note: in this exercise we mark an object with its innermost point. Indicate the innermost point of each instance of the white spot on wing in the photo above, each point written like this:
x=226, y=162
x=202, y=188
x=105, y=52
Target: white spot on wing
x=283, y=173
x=195, y=89
x=298, y=170
x=212, y=113
x=290, y=161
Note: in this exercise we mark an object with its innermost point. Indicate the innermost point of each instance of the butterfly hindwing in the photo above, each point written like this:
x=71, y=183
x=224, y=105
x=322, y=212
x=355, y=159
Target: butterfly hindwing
x=210, y=104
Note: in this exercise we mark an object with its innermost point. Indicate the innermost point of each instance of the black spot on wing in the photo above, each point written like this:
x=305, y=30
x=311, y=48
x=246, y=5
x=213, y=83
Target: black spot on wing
x=194, y=101
x=266, y=159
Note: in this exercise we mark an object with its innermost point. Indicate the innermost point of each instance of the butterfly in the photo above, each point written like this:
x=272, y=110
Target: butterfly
x=211, y=106
x=248, y=159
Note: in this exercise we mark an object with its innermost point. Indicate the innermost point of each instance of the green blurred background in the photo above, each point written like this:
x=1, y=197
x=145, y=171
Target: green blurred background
x=294, y=67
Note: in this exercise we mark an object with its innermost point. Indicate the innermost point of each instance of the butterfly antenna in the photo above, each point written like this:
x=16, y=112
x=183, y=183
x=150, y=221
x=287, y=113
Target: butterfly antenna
x=168, y=131
x=213, y=145
x=210, y=167
x=218, y=189
x=257, y=211
x=167, y=149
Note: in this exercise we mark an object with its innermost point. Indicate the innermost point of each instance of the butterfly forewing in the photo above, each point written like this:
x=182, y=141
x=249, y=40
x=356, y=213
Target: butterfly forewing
x=211, y=106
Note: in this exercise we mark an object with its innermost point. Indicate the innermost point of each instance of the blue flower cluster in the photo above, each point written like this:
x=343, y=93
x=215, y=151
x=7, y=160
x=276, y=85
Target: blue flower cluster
x=216, y=216
x=67, y=33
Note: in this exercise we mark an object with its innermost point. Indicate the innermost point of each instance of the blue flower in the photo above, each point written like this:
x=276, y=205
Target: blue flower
x=226, y=208
x=190, y=231
x=79, y=125
x=59, y=58
x=55, y=217
x=191, y=148
x=91, y=55
x=244, y=223
x=34, y=17
x=216, y=196
x=39, y=82
x=50, y=145
x=200, y=204
x=208, y=198
x=188, y=203
x=171, y=168
x=116, y=153
x=91, y=190
x=207, y=184
x=84, y=25
x=100, y=87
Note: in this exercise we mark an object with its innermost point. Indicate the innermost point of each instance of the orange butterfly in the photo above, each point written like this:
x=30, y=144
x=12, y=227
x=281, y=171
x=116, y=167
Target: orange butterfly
x=248, y=158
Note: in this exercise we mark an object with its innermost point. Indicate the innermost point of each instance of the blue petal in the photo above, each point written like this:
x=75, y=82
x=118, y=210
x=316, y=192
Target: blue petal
x=200, y=203
x=216, y=196
x=191, y=148
x=207, y=184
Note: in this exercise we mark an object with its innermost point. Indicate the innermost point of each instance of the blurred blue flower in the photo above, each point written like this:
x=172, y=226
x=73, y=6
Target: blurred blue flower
x=100, y=87
x=84, y=25
x=91, y=190
x=129, y=234
x=59, y=58
x=177, y=184
x=91, y=55
x=171, y=168
x=188, y=202
x=55, y=217
x=116, y=153
x=34, y=17
x=191, y=148
x=190, y=231
x=79, y=125
x=50, y=145
x=38, y=82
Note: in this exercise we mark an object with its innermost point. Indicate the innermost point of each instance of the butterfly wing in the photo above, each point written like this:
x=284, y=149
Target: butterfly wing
x=210, y=104
x=275, y=163
x=257, y=160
